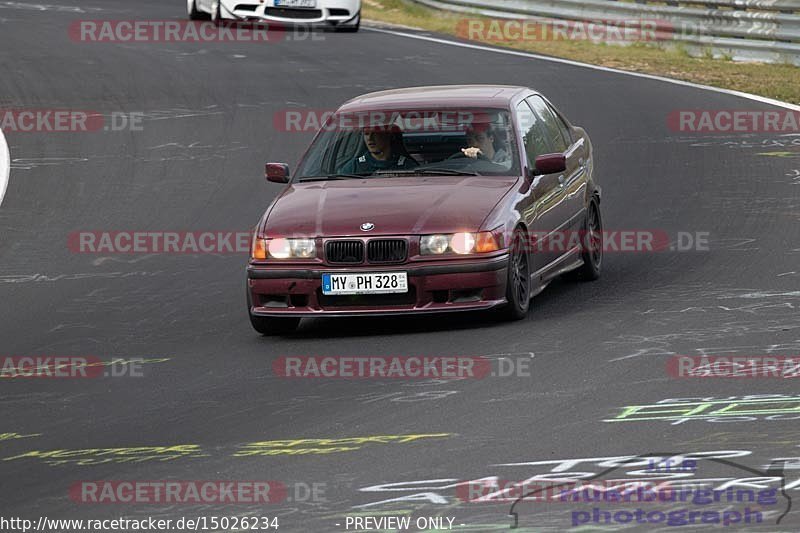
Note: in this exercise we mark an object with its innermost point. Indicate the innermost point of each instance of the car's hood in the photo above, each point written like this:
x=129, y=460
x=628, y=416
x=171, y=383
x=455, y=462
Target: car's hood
x=396, y=206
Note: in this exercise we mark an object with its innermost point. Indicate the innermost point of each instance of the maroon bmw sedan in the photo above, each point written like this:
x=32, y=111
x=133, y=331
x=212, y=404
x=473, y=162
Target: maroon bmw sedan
x=423, y=200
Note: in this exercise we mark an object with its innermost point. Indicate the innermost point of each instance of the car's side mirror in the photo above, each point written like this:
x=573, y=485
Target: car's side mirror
x=277, y=172
x=550, y=164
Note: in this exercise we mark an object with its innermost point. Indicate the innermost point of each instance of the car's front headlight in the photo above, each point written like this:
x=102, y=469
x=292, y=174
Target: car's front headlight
x=281, y=248
x=458, y=243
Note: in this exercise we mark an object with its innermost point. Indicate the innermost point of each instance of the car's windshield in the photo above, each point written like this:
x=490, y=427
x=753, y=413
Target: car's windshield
x=413, y=142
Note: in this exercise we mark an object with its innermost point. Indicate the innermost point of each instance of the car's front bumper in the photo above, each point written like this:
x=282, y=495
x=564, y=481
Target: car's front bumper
x=433, y=287
x=342, y=12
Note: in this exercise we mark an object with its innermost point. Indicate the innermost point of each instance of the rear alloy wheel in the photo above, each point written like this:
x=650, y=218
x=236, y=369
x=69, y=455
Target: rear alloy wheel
x=518, y=286
x=592, y=242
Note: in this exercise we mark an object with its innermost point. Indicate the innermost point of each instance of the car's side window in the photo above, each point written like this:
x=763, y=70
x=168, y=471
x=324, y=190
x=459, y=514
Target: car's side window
x=551, y=124
x=532, y=133
x=562, y=126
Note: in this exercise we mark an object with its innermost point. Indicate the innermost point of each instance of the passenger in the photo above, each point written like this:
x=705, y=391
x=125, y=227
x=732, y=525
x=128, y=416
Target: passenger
x=385, y=151
x=482, y=140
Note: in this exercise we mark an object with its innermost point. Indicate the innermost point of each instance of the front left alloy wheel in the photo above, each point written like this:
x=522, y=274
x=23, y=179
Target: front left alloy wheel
x=518, y=284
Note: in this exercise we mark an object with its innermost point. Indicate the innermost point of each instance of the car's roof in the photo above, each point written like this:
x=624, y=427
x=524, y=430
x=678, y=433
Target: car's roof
x=489, y=96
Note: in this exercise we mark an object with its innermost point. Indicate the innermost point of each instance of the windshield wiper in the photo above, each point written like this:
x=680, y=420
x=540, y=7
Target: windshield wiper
x=447, y=171
x=425, y=171
x=333, y=177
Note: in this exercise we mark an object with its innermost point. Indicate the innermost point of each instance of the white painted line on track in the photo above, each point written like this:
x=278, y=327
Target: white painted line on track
x=740, y=94
x=5, y=166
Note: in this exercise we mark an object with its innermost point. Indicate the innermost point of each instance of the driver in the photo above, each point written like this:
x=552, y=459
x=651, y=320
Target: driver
x=385, y=151
x=482, y=140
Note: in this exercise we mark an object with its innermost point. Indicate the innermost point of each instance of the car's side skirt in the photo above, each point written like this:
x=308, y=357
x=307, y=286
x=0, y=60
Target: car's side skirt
x=556, y=268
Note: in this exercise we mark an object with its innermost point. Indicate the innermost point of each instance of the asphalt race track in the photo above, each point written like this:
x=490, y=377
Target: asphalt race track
x=207, y=390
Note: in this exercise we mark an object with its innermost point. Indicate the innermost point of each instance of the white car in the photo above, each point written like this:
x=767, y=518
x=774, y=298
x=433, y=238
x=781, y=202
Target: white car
x=342, y=15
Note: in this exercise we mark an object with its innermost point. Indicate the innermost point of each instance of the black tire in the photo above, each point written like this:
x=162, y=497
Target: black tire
x=195, y=14
x=216, y=16
x=267, y=325
x=518, y=284
x=349, y=29
x=592, y=241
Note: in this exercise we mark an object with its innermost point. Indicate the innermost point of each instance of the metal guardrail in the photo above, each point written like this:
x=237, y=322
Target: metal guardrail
x=784, y=6
x=744, y=30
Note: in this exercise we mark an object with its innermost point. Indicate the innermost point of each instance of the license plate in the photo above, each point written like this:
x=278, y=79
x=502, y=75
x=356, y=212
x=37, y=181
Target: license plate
x=295, y=3
x=378, y=283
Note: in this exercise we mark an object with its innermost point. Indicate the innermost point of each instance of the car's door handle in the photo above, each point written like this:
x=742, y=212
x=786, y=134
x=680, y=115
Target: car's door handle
x=581, y=162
